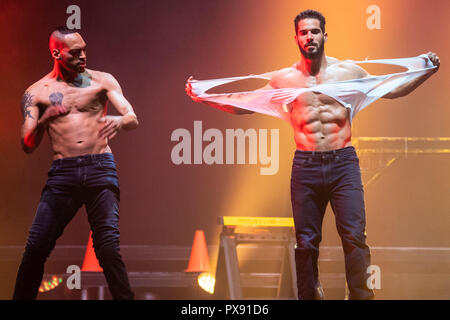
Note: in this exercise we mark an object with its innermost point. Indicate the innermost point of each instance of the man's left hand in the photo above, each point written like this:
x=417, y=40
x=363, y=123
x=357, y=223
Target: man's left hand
x=112, y=125
x=434, y=58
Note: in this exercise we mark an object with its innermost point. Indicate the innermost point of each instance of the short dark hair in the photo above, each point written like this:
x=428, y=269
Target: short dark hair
x=63, y=30
x=310, y=14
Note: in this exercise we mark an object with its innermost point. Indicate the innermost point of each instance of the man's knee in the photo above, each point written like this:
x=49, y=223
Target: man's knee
x=308, y=241
x=354, y=238
x=39, y=245
x=36, y=253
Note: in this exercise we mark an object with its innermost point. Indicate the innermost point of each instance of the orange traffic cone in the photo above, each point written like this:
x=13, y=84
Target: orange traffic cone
x=90, y=262
x=199, y=261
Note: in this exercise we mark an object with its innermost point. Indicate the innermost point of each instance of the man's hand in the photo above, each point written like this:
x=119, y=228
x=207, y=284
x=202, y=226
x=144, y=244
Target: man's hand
x=112, y=125
x=411, y=85
x=189, y=91
x=223, y=107
x=127, y=120
x=434, y=59
x=51, y=113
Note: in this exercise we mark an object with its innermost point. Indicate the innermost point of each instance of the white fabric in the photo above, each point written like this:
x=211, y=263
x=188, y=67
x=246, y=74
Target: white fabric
x=353, y=94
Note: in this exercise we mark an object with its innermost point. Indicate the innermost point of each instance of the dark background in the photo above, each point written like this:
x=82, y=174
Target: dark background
x=152, y=47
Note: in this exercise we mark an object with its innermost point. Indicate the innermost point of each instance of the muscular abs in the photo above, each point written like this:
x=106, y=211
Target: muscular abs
x=320, y=123
x=75, y=132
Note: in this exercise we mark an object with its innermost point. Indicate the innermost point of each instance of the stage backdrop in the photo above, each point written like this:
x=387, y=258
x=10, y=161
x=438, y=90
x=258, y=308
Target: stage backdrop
x=152, y=47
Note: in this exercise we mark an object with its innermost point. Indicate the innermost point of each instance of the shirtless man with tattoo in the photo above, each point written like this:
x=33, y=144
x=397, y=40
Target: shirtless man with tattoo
x=69, y=104
x=325, y=167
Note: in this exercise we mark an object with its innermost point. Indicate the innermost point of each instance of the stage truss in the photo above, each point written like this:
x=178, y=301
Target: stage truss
x=376, y=154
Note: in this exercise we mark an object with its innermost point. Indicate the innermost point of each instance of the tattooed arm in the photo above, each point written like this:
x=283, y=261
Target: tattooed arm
x=32, y=131
x=33, y=127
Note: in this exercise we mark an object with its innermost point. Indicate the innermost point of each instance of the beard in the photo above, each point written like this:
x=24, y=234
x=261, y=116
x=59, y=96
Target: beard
x=315, y=54
x=71, y=66
x=80, y=69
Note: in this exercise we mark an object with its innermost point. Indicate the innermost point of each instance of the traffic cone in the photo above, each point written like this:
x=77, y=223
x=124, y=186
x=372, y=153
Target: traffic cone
x=90, y=262
x=199, y=260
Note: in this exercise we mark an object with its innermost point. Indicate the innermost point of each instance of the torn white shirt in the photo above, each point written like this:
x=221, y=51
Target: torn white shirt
x=353, y=94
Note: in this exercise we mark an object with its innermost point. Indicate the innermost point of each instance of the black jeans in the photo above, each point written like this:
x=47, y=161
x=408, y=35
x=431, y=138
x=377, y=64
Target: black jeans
x=90, y=180
x=319, y=177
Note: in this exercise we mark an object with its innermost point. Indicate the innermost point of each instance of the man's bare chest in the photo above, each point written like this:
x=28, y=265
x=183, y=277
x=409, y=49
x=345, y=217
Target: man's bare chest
x=73, y=99
x=296, y=79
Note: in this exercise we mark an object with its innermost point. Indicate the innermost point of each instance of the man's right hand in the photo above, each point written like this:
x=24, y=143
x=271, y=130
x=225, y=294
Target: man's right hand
x=52, y=112
x=223, y=107
x=189, y=91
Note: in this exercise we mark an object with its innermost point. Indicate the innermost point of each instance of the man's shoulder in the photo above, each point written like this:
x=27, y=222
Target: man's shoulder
x=41, y=83
x=348, y=66
x=38, y=88
x=279, y=76
x=97, y=73
x=284, y=72
x=105, y=78
x=100, y=74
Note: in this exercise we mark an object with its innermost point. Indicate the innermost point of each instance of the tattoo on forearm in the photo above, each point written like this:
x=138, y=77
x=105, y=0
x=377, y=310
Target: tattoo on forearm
x=27, y=101
x=56, y=98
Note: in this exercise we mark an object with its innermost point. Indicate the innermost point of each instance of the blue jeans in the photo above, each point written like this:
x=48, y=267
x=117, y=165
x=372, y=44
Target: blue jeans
x=319, y=177
x=89, y=180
